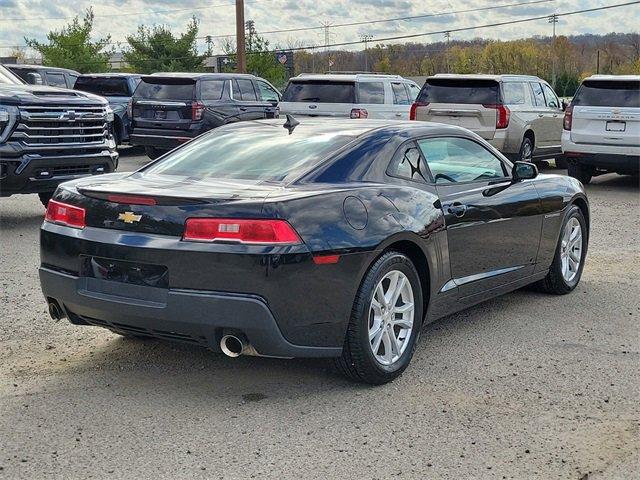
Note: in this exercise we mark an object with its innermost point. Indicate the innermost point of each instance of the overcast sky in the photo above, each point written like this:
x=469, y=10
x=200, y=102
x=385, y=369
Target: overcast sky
x=33, y=18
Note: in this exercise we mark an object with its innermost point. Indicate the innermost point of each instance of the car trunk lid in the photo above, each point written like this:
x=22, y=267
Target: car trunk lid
x=607, y=112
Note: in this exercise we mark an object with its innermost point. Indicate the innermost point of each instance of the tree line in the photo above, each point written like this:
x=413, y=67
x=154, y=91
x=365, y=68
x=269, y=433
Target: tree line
x=156, y=48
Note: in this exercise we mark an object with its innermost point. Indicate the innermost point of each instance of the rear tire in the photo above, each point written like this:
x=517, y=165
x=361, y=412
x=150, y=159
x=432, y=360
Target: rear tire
x=152, y=152
x=375, y=326
x=526, y=150
x=580, y=172
x=45, y=197
x=559, y=280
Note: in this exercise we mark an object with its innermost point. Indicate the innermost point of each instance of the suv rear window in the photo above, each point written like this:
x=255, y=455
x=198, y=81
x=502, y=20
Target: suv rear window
x=105, y=87
x=320, y=91
x=166, y=88
x=602, y=93
x=447, y=90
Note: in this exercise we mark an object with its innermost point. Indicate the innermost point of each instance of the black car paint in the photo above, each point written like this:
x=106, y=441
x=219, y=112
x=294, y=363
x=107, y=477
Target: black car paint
x=168, y=134
x=349, y=206
x=119, y=104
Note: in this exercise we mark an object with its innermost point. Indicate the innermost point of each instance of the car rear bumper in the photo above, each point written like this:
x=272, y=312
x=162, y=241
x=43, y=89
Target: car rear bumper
x=622, y=159
x=44, y=174
x=192, y=316
x=163, y=139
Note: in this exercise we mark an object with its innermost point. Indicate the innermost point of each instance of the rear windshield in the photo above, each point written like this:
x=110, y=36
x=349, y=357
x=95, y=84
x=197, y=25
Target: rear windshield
x=600, y=93
x=448, y=90
x=248, y=153
x=105, y=87
x=320, y=91
x=166, y=89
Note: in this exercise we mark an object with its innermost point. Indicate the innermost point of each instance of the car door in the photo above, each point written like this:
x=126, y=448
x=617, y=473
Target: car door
x=542, y=128
x=56, y=79
x=493, y=225
x=554, y=117
x=250, y=106
x=371, y=97
x=270, y=97
x=218, y=110
x=401, y=101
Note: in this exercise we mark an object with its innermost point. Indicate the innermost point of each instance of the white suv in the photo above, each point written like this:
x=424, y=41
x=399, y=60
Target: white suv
x=602, y=127
x=358, y=95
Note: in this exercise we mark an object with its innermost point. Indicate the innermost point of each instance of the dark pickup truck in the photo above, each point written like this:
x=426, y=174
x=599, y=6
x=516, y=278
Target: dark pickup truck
x=169, y=109
x=50, y=135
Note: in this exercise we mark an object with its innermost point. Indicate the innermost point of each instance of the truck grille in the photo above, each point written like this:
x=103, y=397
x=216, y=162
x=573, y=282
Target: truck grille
x=61, y=125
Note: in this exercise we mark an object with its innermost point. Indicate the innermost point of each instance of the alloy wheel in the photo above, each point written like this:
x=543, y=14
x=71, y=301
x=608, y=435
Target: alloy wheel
x=571, y=249
x=391, y=315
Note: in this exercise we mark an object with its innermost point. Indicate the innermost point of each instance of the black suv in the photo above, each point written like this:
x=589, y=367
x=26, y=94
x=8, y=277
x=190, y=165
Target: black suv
x=43, y=75
x=169, y=109
x=118, y=89
x=50, y=135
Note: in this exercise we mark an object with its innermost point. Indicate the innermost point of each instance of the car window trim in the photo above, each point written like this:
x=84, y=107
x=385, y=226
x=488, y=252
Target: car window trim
x=505, y=163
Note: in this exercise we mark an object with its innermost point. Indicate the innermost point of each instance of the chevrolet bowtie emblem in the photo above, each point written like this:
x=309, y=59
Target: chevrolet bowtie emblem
x=129, y=217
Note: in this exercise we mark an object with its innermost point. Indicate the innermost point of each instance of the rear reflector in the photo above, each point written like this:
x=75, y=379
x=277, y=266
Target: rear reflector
x=131, y=199
x=63, y=214
x=503, y=114
x=325, y=259
x=240, y=230
x=359, y=113
x=197, y=110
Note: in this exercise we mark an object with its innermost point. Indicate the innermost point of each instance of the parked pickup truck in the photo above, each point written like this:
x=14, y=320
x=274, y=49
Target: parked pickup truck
x=50, y=135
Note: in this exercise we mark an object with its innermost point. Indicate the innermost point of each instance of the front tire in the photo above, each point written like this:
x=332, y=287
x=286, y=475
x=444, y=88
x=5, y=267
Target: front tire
x=571, y=251
x=385, y=322
x=580, y=172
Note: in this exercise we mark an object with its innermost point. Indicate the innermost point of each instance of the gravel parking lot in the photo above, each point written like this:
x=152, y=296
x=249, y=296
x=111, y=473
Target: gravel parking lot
x=525, y=386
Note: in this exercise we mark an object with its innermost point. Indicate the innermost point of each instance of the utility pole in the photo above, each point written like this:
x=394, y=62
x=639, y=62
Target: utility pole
x=553, y=19
x=241, y=54
x=447, y=35
x=598, y=62
x=327, y=40
x=366, y=38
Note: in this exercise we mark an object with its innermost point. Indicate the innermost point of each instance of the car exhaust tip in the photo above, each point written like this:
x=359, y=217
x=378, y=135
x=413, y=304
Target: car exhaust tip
x=231, y=346
x=55, y=311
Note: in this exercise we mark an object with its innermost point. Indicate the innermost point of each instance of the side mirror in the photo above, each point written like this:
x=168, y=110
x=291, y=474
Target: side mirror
x=34, y=78
x=523, y=171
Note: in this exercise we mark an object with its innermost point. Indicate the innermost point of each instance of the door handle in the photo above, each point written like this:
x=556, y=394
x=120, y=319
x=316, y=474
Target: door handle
x=540, y=115
x=398, y=114
x=457, y=209
x=243, y=109
x=555, y=115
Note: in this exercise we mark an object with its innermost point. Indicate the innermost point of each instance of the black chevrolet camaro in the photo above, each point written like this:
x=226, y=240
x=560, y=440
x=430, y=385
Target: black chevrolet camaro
x=317, y=239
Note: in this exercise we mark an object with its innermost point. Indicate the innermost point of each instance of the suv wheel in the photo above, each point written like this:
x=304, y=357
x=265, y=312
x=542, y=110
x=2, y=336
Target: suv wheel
x=561, y=162
x=526, y=150
x=152, y=152
x=385, y=322
x=581, y=172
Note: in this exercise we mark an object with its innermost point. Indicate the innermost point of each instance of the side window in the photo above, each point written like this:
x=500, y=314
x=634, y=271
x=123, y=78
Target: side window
x=236, y=90
x=408, y=164
x=514, y=93
x=538, y=96
x=72, y=80
x=211, y=89
x=371, y=92
x=414, y=90
x=56, y=80
x=400, y=96
x=247, y=91
x=552, y=99
x=455, y=160
x=267, y=93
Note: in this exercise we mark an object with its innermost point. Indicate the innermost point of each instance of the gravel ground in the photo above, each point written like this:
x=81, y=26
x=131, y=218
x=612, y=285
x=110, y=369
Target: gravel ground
x=527, y=386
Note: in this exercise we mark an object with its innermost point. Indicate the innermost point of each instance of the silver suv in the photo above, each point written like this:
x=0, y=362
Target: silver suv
x=520, y=115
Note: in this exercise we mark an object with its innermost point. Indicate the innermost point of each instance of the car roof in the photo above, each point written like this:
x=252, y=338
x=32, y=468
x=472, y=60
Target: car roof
x=348, y=77
x=198, y=75
x=39, y=67
x=480, y=76
x=610, y=78
x=110, y=74
x=356, y=127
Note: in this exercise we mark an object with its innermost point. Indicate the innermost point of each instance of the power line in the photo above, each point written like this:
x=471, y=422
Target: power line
x=324, y=27
x=124, y=14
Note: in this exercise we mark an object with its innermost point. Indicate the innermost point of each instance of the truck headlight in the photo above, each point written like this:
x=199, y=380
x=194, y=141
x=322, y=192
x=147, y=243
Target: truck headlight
x=8, y=116
x=110, y=115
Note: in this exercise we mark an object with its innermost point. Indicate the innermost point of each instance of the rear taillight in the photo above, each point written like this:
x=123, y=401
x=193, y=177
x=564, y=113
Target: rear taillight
x=130, y=108
x=64, y=214
x=413, y=112
x=567, y=123
x=131, y=199
x=240, y=230
x=197, y=110
x=359, y=113
x=503, y=114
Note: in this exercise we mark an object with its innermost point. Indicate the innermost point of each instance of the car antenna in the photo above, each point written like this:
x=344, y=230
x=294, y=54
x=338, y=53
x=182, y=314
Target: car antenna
x=291, y=123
